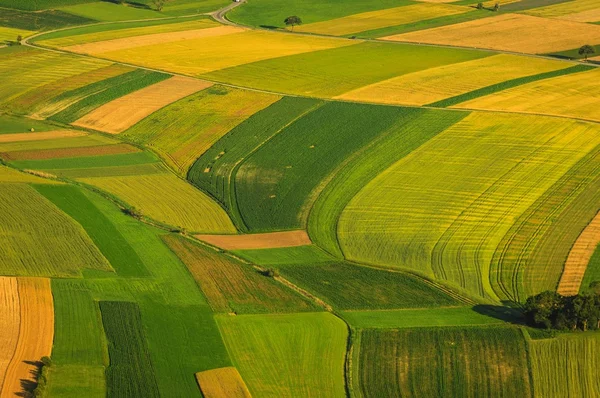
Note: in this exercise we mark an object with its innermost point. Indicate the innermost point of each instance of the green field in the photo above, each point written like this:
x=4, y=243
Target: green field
x=287, y=255
x=592, y=273
x=13, y=124
x=479, y=175
x=38, y=21
x=34, y=5
x=308, y=350
x=130, y=372
x=443, y=362
x=347, y=286
x=126, y=159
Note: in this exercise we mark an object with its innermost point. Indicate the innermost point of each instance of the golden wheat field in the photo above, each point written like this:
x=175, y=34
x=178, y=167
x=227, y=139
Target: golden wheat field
x=222, y=383
x=10, y=317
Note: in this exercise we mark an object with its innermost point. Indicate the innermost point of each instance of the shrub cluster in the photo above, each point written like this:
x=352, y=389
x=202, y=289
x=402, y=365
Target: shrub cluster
x=550, y=310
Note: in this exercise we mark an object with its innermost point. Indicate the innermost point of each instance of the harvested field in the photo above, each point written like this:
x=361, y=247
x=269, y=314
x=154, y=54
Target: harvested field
x=127, y=43
x=13, y=176
x=46, y=135
x=579, y=258
x=453, y=362
x=435, y=84
x=168, y=199
x=91, y=34
x=509, y=32
x=122, y=113
x=10, y=321
x=571, y=10
x=183, y=131
x=288, y=355
x=36, y=333
x=484, y=172
x=231, y=286
x=39, y=239
x=207, y=54
x=60, y=153
x=381, y=19
x=560, y=96
x=222, y=383
x=268, y=240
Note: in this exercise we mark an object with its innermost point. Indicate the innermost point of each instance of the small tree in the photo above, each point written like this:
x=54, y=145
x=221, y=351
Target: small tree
x=271, y=273
x=19, y=39
x=480, y=6
x=292, y=21
x=586, y=50
x=159, y=4
x=497, y=7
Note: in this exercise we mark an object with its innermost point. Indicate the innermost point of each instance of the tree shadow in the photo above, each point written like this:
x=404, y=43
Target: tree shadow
x=132, y=4
x=27, y=385
x=504, y=313
x=271, y=27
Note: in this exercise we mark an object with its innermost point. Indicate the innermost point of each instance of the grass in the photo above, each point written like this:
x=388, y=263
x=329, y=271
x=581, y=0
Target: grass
x=39, y=21
x=112, y=89
x=436, y=84
x=271, y=13
x=67, y=381
x=332, y=72
x=111, y=12
x=548, y=96
x=57, y=143
x=418, y=318
x=103, y=233
x=405, y=13
x=505, y=85
x=347, y=286
x=308, y=350
x=167, y=199
x=564, y=366
x=287, y=255
x=130, y=373
x=592, y=273
x=276, y=186
x=57, y=164
x=13, y=124
x=9, y=35
x=461, y=193
x=443, y=362
x=113, y=171
x=413, y=128
x=184, y=130
x=40, y=240
x=214, y=171
x=231, y=286
x=232, y=47
x=531, y=256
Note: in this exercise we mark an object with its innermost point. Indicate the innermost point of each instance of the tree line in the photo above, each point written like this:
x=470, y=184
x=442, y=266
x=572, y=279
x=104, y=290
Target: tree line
x=550, y=310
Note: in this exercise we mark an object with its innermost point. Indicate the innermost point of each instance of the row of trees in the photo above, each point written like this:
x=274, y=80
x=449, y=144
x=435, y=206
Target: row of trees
x=551, y=310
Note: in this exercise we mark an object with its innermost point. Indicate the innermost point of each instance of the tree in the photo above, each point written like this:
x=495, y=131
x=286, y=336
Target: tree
x=586, y=50
x=159, y=4
x=497, y=7
x=19, y=39
x=292, y=21
x=541, y=310
x=480, y=6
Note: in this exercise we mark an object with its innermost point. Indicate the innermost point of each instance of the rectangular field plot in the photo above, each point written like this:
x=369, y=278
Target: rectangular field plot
x=336, y=71
x=14, y=124
x=8, y=175
x=347, y=286
x=436, y=84
x=184, y=130
x=39, y=239
x=418, y=318
x=288, y=355
x=382, y=18
x=578, y=10
x=288, y=255
x=231, y=286
x=10, y=308
x=10, y=34
x=269, y=240
x=454, y=362
x=45, y=154
x=461, y=193
x=167, y=199
x=206, y=54
x=561, y=96
x=509, y=32
x=565, y=366
x=59, y=163
x=222, y=383
x=106, y=11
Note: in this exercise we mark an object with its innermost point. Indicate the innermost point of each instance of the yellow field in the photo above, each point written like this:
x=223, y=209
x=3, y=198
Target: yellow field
x=509, y=32
x=168, y=199
x=45, y=135
x=584, y=16
x=431, y=85
x=10, y=175
x=131, y=32
x=10, y=34
x=125, y=43
x=382, y=18
x=222, y=383
x=579, y=258
x=36, y=334
x=566, y=10
x=576, y=95
x=122, y=113
x=208, y=54
x=10, y=316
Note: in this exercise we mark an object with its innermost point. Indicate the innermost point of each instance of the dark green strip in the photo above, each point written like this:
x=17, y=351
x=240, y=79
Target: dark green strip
x=506, y=85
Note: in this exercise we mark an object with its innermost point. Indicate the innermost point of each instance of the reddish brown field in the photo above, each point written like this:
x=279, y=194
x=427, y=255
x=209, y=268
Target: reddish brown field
x=258, y=241
x=69, y=152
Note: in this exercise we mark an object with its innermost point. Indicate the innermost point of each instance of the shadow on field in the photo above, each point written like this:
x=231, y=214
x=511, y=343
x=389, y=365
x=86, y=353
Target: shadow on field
x=504, y=313
x=28, y=386
x=269, y=27
x=133, y=4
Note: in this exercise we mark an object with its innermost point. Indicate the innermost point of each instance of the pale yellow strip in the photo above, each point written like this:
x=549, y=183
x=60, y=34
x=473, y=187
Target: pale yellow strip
x=122, y=113
x=579, y=258
x=46, y=135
